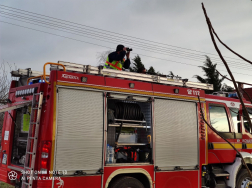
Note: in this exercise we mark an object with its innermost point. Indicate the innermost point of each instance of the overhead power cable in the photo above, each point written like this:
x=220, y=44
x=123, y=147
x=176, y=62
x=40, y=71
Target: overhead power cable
x=198, y=59
x=147, y=48
x=94, y=29
x=106, y=46
x=92, y=33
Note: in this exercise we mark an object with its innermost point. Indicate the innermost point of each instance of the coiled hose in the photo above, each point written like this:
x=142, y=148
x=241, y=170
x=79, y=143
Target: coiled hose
x=128, y=111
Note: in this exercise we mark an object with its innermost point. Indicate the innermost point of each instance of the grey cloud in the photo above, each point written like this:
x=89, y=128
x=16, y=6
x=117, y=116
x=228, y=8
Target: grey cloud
x=178, y=23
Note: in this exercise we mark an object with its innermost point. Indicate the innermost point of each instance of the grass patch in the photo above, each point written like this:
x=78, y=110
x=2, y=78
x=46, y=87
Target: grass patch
x=5, y=185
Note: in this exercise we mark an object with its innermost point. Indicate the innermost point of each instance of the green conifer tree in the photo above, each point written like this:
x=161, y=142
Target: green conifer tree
x=136, y=64
x=212, y=77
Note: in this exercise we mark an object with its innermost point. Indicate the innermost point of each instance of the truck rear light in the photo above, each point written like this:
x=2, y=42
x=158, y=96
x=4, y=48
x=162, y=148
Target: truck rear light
x=46, y=148
x=44, y=163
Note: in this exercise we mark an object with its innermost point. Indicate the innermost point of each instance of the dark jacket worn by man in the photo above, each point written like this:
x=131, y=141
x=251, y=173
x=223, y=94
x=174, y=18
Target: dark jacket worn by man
x=115, y=60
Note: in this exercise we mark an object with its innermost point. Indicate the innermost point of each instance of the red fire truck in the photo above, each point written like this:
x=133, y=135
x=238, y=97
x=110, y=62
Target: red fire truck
x=84, y=126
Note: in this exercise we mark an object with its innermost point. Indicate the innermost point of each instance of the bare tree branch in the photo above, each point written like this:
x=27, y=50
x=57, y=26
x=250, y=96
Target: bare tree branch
x=102, y=57
x=5, y=81
x=233, y=80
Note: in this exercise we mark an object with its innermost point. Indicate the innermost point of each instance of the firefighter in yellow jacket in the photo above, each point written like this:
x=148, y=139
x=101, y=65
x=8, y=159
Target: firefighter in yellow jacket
x=115, y=60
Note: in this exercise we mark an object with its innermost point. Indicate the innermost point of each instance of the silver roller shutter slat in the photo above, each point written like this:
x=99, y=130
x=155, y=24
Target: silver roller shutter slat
x=176, y=133
x=79, y=130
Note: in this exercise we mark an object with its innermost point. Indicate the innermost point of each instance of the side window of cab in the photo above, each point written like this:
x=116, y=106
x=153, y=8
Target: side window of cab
x=218, y=118
x=236, y=119
x=245, y=120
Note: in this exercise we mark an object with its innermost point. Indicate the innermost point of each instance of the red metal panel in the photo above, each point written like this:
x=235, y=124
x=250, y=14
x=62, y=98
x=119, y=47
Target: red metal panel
x=13, y=98
x=221, y=155
x=247, y=139
x=225, y=98
x=202, y=137
x=4, y=175
x=43, y=184
x=189, y=92
x=110, y=169
x=79, y=182
x=177, y=179
x=70, y=77
x=249, y=91
x=124, y=84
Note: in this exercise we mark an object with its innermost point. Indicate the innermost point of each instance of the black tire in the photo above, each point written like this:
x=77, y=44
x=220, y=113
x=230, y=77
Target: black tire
x=126, y=182
x=241, y=178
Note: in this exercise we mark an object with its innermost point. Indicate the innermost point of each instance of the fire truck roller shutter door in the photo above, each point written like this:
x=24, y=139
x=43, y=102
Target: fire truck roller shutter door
x=79, y=135
x=176, y=134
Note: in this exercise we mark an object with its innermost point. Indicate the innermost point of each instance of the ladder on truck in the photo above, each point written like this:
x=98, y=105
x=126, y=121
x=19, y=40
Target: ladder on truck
x=32, y=141
x=88, y=69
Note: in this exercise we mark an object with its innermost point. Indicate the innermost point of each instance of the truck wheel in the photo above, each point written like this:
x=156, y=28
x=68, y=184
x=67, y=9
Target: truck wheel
x=126, y=182
x=243, y=179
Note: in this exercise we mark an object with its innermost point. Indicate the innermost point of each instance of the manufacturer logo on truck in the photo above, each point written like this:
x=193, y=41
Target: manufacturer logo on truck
x=247, y=140
x=67, y=76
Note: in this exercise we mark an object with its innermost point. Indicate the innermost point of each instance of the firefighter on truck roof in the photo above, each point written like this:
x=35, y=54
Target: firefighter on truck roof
x=115, y=60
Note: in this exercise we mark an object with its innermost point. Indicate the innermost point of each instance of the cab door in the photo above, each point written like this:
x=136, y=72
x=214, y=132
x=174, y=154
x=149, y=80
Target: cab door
x=219, y=151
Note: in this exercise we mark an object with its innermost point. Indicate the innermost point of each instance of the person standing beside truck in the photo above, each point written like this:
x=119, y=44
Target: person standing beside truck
x=115, y=60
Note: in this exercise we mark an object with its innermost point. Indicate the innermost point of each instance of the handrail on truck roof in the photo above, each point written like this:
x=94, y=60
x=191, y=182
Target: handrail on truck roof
x=88, y=69
x=44, y=72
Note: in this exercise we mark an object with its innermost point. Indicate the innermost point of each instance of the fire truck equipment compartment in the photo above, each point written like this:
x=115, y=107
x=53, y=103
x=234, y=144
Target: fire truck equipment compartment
x=132, y=126
x=176, y=134
x=129, y=111
x=20, y=136
x=79, y=147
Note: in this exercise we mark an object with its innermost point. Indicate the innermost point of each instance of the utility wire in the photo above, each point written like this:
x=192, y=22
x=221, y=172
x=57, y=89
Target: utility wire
x=196, y=54
x=90, y=33
x=121, y=38
x=106, y=46
x=146, y=48
x=94, y=28
x=55, y=34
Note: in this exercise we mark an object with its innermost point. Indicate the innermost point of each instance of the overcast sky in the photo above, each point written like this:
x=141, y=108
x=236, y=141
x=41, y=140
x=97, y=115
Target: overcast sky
x=175, y=33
